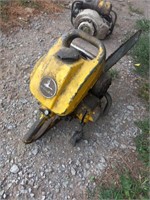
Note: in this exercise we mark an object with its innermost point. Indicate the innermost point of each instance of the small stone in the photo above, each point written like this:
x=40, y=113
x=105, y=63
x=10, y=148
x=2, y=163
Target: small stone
x=2, y=192
x=4, y=196
x=32, y=195
x=24, y=101
x=29, y=124
x=86, y=142
x=9, y=185
x=65, y=184
x=29, y=190
x=63, y=166
x=100, y=166
x=103, y=160
x=48, y=31
x=78, y=148
x=123, y=146
x=10, y=127
x=29, y=10
x=73, y=172
x=57, y=190
x=87, y=165
x=130, y=108
x=35, y=151
x=14, y=169
x=43, y=197
x=20, y=173
x=78, y=163
x=42, y=173
x=23, y=191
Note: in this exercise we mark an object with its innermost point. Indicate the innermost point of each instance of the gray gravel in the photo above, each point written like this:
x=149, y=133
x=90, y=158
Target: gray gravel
x=51, y=168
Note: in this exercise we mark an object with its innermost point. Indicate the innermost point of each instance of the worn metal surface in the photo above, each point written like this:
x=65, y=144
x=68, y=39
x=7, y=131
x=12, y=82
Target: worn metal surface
x=92, y=23
x=73, y=79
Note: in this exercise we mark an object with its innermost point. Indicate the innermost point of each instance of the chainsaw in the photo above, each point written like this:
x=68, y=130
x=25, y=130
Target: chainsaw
x=72, y=81
x=95, y=17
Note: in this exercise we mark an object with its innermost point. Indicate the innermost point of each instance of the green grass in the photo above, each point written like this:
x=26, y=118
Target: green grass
x=140, y=52
x=142, y=141
x=143, y=24
x=3, y=12
x=144, y=90
x=29, y=3
x=129, y=189
x=4, y=2
x=114, y=73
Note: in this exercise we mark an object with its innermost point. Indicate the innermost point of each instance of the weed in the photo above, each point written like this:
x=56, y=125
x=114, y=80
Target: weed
x=29, y=3
x=3, y=10
x=143, y=24
x=144, y=90
x=130, y=188
x=140, y=54
x=3, y=3
x=92, y=178
x=127, y=181
x=114, y=73
x=134, y=10
x=142, y=141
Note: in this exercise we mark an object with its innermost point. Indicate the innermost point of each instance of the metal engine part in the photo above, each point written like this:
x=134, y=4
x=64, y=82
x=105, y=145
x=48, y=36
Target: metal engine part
x=96, y=17
x=92, y=23
x=101, y=86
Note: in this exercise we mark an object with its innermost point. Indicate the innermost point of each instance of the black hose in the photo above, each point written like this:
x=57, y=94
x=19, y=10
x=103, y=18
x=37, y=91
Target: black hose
x=113, y=21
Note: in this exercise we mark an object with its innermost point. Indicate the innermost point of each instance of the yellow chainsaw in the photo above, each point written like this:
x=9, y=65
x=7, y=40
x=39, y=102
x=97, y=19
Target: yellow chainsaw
x=71, y=80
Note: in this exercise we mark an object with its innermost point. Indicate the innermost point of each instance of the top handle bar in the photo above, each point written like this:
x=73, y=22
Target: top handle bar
x=68, y=38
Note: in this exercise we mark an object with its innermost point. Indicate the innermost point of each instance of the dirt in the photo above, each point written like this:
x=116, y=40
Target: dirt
x=51, y=168
x=17, y=14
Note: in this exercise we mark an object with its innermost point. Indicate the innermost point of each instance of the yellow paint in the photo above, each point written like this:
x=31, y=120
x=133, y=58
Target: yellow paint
x=87, y=118
x=73, y=79
x=101, y=3
x=104, y=6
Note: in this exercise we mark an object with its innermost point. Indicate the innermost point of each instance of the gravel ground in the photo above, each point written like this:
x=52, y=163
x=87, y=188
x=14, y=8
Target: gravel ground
x=51, y=168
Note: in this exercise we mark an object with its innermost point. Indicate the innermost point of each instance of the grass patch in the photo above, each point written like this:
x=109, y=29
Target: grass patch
x=142, y=141
x=140, y=51
x=140, y=54
x=114, y=73
x=143, y=24
x=144, y=90
x=122, y=185
x=127, y=178
x=30, y=3
x=3, y=10
x=129, y=189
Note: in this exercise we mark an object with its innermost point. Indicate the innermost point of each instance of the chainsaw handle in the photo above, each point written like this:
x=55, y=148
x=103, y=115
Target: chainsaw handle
x=68, y=38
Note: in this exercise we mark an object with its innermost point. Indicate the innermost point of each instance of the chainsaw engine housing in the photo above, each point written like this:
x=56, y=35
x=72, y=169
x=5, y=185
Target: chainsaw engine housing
x=62, y=77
